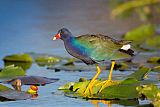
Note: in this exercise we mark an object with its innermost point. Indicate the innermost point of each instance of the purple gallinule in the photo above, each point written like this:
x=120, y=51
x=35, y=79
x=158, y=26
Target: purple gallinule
x=93, y=49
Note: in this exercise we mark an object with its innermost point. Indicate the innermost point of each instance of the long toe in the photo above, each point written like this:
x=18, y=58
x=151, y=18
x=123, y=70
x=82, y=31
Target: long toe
x=106, y=83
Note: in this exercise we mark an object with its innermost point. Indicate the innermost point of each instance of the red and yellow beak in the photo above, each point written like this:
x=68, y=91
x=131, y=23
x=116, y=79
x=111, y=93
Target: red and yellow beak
x=57, y=36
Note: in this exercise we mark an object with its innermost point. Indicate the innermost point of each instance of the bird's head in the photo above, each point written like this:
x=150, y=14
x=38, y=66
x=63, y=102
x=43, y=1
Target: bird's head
x=62, y=34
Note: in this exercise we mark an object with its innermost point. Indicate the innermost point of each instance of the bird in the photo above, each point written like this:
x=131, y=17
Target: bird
x=94, y=49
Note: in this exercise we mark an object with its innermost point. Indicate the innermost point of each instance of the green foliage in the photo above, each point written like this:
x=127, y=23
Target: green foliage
x=124, y=90
x=121, y=66
x=46, y=60
x=140, y=74
x=24, y=65
x=156, y=69
x=153, y=42
x=139, y=6
x=141, y=33
x=4, y=88
x=154, y=59
x=152, y=93
x=18, y=57
x=11, y=72
x=66, y=86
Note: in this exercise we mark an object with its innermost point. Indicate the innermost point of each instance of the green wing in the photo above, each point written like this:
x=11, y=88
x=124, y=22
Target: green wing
x=100, y=47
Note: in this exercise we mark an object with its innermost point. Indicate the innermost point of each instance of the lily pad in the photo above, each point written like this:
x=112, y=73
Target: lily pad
x=153, y=42
x=32, y=80
x=124, y=90
x=152, y=93
x=18, y=57
x=154, y=59
x=7, y=94
x=140, y=74
x=141, y=33
x=121, y=66
x=156, y=69
x=11, y=71
x=46, y=60
x=24, y=65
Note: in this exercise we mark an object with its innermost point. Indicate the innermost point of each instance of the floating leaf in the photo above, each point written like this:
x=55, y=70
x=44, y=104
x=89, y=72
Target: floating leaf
x=140, y=74
x=66, y=86
x=7, y=94
x=141, y=33
x=46, y=60
x=153, y=42
x=11, y=71
x=156, y=69
x=124, y=90
x=121, y=66
x=152, y=93
x=131, y=5
x=24, y=65
x=19, y=57
x=154, y=59
x=32, y=80
x=4, y=88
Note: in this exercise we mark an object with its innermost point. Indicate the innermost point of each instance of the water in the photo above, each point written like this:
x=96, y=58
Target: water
x=28, y=26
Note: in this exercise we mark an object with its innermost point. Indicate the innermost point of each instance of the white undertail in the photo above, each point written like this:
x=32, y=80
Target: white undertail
x=126, y=47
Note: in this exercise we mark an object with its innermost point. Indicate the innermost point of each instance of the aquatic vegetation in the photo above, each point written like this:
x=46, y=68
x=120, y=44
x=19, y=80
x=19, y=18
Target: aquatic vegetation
x=11, y=71
x=143, y=8
x=118, y=89
x=46, y=60
x=154, y=59
x=140, y=34
x=8, y=94
x=152, y=93
x=18, y=58
x=32, y=80
x=24, y=65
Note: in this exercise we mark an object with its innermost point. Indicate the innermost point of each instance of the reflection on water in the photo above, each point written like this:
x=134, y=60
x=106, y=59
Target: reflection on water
x=109, y=103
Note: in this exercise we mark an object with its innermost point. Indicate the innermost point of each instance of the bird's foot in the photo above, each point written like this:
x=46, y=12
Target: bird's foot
x=106, y=83
x=88, y=90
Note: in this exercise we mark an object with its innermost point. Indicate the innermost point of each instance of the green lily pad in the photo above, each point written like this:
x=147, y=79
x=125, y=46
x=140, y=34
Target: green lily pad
x=46, y=60
x=152, y=93
x=18, y=57
x=153, y=42
x=11, y=71
x=156, y=69
x=24, y=65
x=141, y=33
x=154, y=59
x=121, y=66
x=124, y=90
x=140, y=74
x=4, y=88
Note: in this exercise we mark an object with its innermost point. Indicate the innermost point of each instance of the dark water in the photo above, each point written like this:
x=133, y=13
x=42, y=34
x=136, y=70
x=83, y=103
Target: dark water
x=28, y=26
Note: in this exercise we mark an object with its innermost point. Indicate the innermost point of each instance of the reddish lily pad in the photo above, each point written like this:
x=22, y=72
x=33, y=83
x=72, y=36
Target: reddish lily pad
x=8, y=94
x=15, y=95
x=32, y=80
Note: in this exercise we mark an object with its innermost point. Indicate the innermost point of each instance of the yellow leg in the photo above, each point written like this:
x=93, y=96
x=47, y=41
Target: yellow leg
x=110, y=73
x=89, y=87
x=109, y=77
